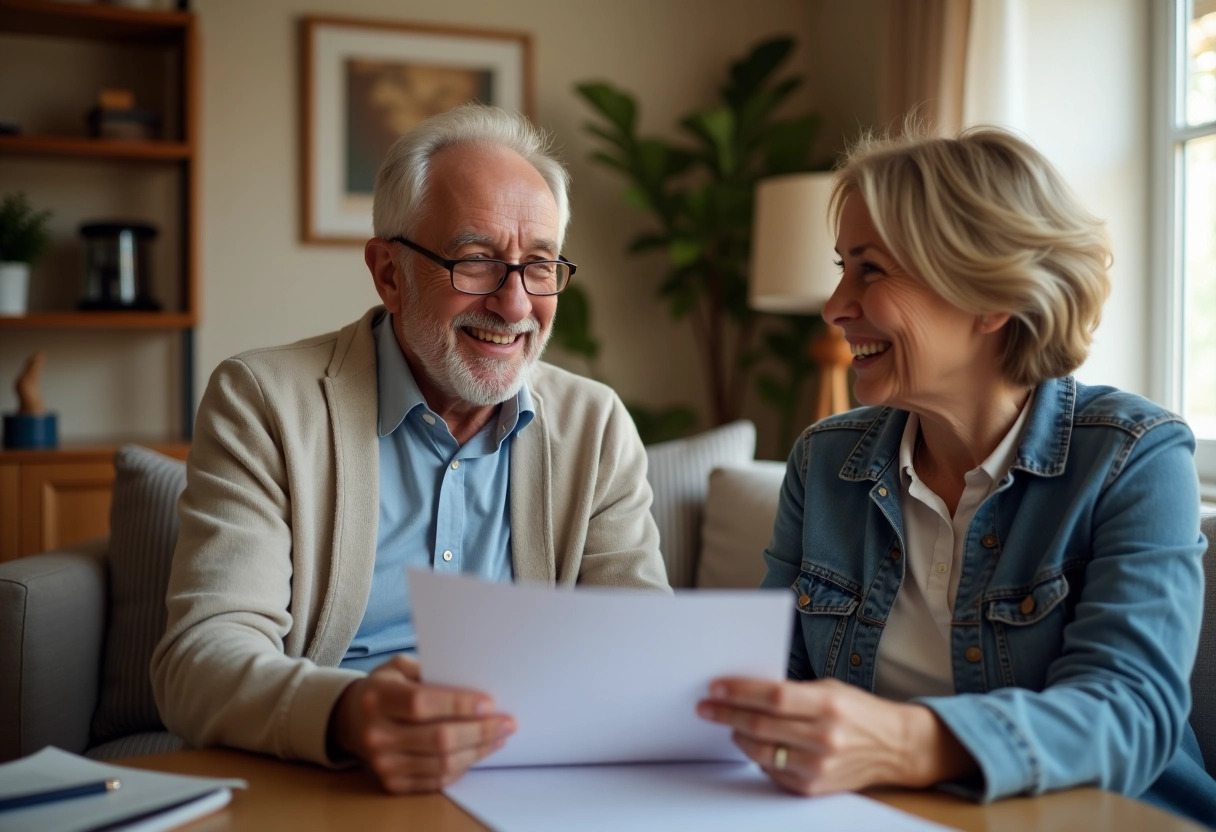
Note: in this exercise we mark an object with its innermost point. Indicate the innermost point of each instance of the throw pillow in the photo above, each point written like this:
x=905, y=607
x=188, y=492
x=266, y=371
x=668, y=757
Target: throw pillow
x=679, y=476
x=739, y=514
x=143, y=534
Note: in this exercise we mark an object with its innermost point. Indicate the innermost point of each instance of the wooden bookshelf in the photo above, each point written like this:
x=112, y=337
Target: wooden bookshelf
x=87, y=148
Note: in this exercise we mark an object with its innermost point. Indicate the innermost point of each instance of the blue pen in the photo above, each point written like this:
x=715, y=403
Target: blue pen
x=22, y=800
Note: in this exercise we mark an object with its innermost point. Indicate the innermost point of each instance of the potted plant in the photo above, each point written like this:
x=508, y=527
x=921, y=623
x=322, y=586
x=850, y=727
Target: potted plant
x=23, y=240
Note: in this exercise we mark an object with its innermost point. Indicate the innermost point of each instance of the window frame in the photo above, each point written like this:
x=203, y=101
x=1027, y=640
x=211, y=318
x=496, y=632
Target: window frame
x=1171, y=20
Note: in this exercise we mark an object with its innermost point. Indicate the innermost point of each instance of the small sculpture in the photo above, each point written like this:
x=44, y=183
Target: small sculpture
x=29, y=397
x=31, y=426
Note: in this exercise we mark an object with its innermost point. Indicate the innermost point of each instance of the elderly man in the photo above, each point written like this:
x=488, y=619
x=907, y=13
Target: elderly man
x=426, y=434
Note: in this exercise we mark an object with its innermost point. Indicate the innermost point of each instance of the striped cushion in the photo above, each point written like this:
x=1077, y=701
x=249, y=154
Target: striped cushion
x=678, y=472
x=143, y=532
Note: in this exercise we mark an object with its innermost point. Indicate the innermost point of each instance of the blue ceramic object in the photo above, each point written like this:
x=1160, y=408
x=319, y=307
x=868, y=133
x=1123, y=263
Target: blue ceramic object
x=22, y=430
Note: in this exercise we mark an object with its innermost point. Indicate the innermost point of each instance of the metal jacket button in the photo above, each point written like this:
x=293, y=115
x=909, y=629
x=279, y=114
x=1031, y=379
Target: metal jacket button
x=894, y=554
x=855, y=660
x=803, y=600
x=1028, y=605
x=989, y=541
x=974, y=654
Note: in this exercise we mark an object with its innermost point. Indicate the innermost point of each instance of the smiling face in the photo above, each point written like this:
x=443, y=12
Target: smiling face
x=912, y=349
x=481, y=201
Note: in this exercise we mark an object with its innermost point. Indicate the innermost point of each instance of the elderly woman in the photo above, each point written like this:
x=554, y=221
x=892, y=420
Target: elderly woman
x=996, y=570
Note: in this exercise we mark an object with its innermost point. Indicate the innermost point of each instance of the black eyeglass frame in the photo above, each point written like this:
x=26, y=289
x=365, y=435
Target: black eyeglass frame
x=451, y=265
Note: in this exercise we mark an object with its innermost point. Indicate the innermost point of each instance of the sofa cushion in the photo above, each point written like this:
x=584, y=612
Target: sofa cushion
x=738, y=524
x=143, y=533
x=678, y=472
x=1203, y=678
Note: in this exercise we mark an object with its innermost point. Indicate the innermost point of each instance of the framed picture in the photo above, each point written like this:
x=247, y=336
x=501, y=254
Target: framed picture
x=367, y=82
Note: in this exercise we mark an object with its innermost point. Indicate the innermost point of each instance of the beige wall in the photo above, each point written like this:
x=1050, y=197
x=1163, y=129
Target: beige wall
x=262, y=285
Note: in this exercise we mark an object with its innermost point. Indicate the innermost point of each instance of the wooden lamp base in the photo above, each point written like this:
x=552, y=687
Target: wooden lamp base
x=831, y=352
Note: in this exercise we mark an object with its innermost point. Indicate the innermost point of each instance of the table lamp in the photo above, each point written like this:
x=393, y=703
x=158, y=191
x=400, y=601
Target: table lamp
x=793, y=271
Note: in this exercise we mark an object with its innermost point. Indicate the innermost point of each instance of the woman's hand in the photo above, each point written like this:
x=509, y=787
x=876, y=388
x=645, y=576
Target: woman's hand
x=828, y=736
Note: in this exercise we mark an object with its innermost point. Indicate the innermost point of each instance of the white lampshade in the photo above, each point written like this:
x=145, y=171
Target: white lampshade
x=793, y=246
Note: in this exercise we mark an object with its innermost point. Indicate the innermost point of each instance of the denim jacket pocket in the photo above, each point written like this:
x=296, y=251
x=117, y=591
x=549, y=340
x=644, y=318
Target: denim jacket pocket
x=1029, y=628
x=825, y=611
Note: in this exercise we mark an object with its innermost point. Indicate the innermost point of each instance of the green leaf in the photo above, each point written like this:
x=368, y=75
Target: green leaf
x=24, y=237
x=572, y=324
x=684, y=252
x=774, y=393
x=620, y=140
x=611, y=161
x=618, y=107
x=647, y=242
x=716, y=128
x=787, y=144
x=755, y=109
x=747, y=75
x=638, y=198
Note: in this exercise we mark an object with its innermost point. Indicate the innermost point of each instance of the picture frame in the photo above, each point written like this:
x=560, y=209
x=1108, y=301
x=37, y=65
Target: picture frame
x=365, y=82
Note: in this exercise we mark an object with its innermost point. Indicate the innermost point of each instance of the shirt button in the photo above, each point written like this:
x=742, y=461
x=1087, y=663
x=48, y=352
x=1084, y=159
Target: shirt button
x=855, y=660
x=447, y=555
x=989, y=541
x=882, y=491
x=974, y=654
x=942, y=568
x=1028, y=605
x=894, y=554
x=428, y=418
x=803, y=600
x=455, y=464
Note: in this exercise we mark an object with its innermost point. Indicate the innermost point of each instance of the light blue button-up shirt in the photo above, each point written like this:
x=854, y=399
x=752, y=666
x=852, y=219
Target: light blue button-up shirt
x=442, y=506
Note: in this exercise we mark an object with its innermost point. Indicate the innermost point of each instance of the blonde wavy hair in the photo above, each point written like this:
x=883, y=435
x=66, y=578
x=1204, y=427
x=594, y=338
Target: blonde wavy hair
x=992, y=227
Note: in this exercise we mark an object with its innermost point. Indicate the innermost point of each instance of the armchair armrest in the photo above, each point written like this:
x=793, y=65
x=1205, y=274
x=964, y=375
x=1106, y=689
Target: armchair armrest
x=52, y=624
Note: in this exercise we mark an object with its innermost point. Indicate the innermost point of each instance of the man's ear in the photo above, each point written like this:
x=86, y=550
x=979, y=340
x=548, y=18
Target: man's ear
x=990, y=322
x=387, y=277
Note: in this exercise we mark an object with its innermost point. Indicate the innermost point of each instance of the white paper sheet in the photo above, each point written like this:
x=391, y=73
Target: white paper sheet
x=706, y=797
x=596, y=675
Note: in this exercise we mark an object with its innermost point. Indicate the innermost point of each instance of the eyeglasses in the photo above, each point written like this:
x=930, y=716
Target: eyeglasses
x=482, y=276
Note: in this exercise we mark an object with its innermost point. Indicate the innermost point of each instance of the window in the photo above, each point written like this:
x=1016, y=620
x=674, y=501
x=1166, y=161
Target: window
x=1186, y=317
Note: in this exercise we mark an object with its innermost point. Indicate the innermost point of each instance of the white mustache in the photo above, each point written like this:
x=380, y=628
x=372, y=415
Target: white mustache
x=476, y=320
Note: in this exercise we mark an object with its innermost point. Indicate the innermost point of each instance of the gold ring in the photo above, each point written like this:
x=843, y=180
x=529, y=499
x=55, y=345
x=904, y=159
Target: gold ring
x=780, y=756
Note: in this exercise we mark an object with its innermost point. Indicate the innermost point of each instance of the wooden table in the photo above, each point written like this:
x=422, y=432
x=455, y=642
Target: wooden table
x=304, y=797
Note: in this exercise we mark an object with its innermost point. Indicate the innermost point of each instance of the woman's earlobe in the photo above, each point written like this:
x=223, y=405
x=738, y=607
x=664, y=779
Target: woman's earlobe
x=990, y=322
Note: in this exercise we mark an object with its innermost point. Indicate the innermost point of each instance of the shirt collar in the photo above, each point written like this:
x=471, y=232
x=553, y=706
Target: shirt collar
x=997, y=463
x=399, y=393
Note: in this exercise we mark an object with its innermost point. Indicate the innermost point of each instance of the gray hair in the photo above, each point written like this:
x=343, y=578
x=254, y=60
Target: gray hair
x=401, y=182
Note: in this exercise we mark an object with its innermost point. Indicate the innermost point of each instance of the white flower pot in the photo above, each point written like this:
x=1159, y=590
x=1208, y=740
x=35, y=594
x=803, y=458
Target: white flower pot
x=14, y=288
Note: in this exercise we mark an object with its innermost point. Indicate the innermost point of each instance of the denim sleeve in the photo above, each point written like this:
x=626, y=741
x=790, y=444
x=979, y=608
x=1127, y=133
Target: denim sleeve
x=784, y=554
x=1117, y=697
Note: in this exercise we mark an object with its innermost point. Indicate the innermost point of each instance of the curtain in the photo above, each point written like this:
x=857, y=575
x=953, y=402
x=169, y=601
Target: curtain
x=926, y=58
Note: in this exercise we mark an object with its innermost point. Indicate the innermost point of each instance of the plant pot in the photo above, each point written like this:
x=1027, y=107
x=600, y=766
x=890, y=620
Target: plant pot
x=14, y=288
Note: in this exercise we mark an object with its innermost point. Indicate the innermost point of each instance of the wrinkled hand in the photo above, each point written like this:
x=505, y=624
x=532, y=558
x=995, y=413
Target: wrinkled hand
x=836, y=737
x=415, y=737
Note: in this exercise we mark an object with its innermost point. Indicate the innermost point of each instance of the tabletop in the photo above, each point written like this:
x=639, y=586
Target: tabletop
x=305, y=797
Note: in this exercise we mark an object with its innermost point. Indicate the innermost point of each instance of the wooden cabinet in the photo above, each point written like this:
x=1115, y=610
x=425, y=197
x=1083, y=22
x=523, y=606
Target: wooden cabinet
x=50, y=499
x=55, y=58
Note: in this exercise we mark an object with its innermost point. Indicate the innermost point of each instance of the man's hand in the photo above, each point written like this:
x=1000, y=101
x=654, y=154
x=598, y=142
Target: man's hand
x=415, y=737
x=828, y=736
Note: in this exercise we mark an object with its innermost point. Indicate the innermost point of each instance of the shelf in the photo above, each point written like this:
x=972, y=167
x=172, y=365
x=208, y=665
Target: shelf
x=93, y=451
x=99, y=320
x=153, y=151
x=92, y=21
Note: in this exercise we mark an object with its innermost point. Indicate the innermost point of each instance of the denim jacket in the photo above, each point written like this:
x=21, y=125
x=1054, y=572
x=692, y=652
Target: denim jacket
x=1076, y=622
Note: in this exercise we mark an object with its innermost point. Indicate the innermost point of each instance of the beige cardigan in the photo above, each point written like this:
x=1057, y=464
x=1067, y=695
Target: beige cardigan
x=278, y=537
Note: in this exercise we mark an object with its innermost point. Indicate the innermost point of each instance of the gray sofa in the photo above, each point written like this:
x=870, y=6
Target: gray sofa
x=77, y=626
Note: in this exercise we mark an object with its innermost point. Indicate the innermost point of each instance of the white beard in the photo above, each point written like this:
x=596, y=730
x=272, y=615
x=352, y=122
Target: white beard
x=477, y=380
